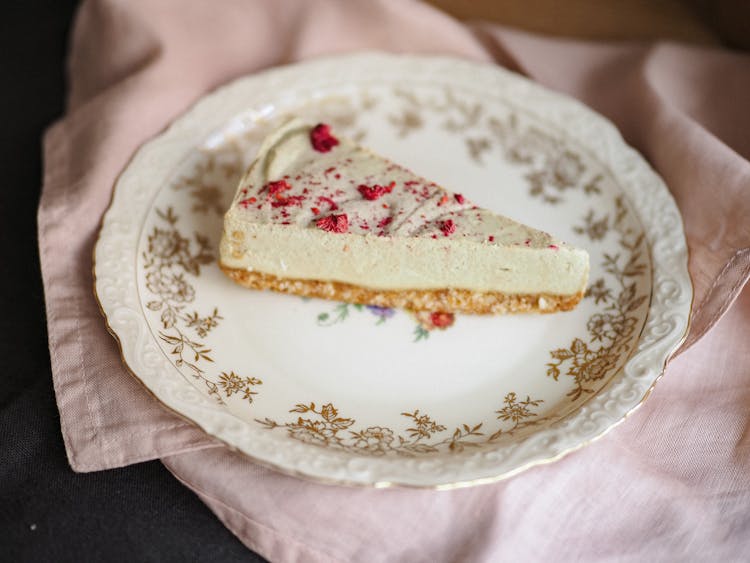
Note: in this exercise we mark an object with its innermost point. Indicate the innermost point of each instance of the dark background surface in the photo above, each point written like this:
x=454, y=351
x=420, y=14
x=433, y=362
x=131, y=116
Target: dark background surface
x=48, y=512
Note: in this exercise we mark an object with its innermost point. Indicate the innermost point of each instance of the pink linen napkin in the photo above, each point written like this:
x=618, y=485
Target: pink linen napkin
x=135, y=65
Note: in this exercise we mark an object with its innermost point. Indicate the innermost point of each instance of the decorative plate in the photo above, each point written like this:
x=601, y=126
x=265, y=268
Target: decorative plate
x=371, y=396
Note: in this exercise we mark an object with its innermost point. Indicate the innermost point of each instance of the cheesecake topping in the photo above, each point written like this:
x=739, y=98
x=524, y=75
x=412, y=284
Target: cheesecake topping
x=376, y=191
x=448, y=227
x=334, y=223
x=321, y=138
x=309, y=178
x=275, y=188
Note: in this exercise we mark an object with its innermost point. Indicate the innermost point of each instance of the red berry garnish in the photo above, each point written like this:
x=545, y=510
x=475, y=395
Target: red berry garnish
x=385, y=221
x=376, y=191
x=448, y=227
x=331, y=204
x=334, y=223
x=287, y=201
x=277, y=187
x=321, y=138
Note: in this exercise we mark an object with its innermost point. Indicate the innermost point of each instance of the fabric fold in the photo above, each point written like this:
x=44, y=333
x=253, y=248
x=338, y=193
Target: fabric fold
x=672, y=481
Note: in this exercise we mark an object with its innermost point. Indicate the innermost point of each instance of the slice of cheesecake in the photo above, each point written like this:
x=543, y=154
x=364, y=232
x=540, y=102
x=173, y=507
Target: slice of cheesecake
x=318, y=215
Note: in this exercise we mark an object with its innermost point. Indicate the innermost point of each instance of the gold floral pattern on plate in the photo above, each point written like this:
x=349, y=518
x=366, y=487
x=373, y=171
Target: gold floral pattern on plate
x=168, y=258
x=390, y=410
x=611, y=331
x=551, y=168
x=206, y=182
x=551, y=165
x=325, y=428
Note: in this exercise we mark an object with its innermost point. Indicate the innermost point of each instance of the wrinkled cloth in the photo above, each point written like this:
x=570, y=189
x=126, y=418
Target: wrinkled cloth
x=672, y=482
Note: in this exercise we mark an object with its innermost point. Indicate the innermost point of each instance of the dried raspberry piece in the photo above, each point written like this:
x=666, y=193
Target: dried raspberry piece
x=333, y=223
x=384, y=222
x=321, y=138
x=245, y=203
x=288, y=201
x=331, y=204
x=459, y=198
x=376, y=191
x=448, y=227
x=277, y=187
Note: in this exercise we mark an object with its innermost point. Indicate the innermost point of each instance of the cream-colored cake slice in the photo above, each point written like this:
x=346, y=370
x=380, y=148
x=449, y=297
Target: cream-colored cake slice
x=318, y=215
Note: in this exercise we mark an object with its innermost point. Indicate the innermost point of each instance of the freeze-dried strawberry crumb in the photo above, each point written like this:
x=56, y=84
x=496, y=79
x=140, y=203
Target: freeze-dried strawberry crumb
x=459, y=198
x=448, y=227
x=371, y=193
x=333, y=223
x=331, y=204
x=288, y=201
x=277, y=187
x=321, y=138
x=384, y=222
